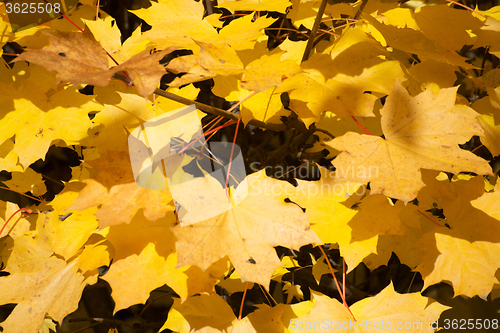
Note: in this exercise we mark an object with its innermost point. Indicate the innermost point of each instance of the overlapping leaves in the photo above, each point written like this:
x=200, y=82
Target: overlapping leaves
x=423, y=122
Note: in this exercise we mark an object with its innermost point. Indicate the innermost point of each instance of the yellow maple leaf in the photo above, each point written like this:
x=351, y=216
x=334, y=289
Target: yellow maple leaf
x=201, y=313
x=412, y=41
x=214, y=59
x=387, y=311
x=420, y=132
x=212, y=314
x=267, y=72
x=243, y=233
x=39, y=282
x=447, y=26
x=36, y=120
x=176, y=22
x=488, y=35
x=489, y=121
x=470, y=267
x=243, y=33
x=120, y=197
x=467, y=253
x=144, y=245
x=279, y=6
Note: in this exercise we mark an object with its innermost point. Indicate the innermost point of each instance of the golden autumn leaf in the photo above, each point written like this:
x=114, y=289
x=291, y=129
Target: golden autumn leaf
x=214, y=59
x=467, y=254
x=413, y=140
x=41, y=283
x=206, y=313
x=36, y=120
x=413, y=41
x=267, y=72
x=243, y=33
x=244, y=233
x=176, y=22
x=148, y=246
x=257, y=5
x=388, y=311
x=118, y=196
x=447, y=26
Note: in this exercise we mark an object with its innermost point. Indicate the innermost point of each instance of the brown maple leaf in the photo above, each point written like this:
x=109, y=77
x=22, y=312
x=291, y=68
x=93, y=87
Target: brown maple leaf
x=79, y=58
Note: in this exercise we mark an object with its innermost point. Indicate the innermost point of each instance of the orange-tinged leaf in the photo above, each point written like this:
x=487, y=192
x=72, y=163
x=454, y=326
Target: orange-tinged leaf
x=245, y=234
x=144, y=240
x=119, y=196
x=144, y=69
x=420, y=132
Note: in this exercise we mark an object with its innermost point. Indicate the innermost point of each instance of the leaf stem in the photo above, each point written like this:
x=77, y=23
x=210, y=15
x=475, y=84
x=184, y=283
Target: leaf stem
x=357, y=122
x=28, y=196
x=27, y=210
x=342, y=293
x=243, y=301
x=427, y=217
x=466, y=7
